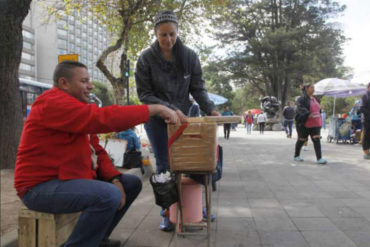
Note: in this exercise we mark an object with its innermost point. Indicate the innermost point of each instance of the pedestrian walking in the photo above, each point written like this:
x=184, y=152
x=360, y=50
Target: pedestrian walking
x=288, y=114
x=249, y=122
x=166, y=73
x=308, y=123
x=261, y=121
x=365, y=110
x=227, y=126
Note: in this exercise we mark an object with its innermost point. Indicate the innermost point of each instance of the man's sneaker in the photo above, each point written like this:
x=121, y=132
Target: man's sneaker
x=205, y=215
x=298, y=158
x=367, y=156
x=110, y=243
x=322, y=161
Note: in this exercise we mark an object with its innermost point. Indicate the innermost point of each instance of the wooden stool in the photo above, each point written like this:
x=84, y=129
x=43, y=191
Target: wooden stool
x=37, y=229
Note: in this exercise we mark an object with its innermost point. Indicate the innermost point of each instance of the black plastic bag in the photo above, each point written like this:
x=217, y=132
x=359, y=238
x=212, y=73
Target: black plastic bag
x=165, y=193
x=132, y=159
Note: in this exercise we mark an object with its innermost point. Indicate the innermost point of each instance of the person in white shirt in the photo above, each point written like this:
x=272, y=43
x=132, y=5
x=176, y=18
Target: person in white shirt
x=261, y=120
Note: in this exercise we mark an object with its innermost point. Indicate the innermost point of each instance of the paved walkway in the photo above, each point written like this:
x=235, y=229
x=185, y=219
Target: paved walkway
x=266, y=199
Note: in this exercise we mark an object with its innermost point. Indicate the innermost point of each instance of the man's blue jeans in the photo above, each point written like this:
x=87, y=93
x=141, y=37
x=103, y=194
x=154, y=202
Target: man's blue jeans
x=156, y=130
x=98, y=201
x=288, y=125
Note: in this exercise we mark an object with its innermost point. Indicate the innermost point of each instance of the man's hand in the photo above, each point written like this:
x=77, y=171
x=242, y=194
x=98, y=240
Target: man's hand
x=181, y=116
x=118, y=183
x=215, y=113
x=169, y=116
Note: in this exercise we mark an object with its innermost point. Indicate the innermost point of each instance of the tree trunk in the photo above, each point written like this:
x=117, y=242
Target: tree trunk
x=119, y=89
x=12, y=14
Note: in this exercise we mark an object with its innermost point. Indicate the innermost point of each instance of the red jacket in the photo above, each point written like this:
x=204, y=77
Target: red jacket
x=55, y=139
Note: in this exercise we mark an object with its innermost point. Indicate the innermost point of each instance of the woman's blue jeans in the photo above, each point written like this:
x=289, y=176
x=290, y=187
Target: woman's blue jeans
x=98, y=201
x=156, y=130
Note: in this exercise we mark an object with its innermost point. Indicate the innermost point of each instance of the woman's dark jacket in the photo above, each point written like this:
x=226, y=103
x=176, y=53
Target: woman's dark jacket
x=365, y=107
x=159, y=81
x=303, y=109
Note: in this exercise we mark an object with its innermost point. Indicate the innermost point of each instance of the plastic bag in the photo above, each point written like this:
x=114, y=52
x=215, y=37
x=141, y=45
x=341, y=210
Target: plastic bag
x=132, y=159
x=164, y=188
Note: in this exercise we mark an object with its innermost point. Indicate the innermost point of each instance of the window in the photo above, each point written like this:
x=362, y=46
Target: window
x=84, y=60
x=26, y=67
x=71, y=46
x=62, y=23
x=84, y=53
x=27, y=34
x=78, y=49
x=27, y=56
x=90, y=47
x=62, y=32
x=78, y=40
x=62, y=43
x=72, y=37
x=27, y=45
x=84, y=35
x=62, y=51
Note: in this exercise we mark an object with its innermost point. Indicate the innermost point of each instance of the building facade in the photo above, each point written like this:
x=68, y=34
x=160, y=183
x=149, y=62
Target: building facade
x=77, y=33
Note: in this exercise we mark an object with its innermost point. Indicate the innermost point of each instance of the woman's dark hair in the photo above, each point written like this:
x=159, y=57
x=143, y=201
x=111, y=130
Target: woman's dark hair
x=164, y=17
x=305, y=86
x=65, y=69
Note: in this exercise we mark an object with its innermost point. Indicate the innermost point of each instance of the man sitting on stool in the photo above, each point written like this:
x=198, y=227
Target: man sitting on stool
x=61, y=168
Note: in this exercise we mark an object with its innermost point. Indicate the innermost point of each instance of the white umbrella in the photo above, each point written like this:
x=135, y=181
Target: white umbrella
x=338, y=88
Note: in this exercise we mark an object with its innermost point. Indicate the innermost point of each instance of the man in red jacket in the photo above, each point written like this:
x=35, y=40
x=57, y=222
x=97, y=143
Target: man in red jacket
x=61, y=168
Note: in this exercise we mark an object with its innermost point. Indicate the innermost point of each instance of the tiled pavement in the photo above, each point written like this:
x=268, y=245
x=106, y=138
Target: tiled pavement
x=266, y=199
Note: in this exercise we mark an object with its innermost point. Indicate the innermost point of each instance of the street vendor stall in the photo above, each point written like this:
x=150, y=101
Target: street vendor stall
x=339, y=128
x=193, y=150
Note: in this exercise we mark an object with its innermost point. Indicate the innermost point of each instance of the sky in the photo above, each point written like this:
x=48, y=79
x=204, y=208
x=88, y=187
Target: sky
x=356, y=25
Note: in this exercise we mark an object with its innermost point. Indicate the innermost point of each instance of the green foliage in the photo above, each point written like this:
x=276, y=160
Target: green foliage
x=342, y=105
x=218, y=81
x=276, y=45
x=245, y=98
x=131, y=24
x=102, y=92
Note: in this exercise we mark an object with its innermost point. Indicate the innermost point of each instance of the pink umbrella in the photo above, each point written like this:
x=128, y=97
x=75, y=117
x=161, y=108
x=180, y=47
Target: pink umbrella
x=254, y=111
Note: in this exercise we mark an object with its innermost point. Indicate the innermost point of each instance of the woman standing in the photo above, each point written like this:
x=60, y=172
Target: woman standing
x=165, y=74
x=227, y=126
x=308, y=123
x=365, y=109
x=249, y=122
x=261, y=120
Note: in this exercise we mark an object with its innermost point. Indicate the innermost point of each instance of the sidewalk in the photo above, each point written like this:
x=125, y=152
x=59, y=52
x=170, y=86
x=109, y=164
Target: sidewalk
x=266, y=199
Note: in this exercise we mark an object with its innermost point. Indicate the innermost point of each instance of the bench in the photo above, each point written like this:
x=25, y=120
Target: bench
x=37, y=229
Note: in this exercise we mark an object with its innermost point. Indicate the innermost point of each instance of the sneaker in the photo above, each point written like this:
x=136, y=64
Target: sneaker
x=367, y=156
x=110, y=243
x=166, y=225
x=298, y=158
x=322, y=161
x=205, y=216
